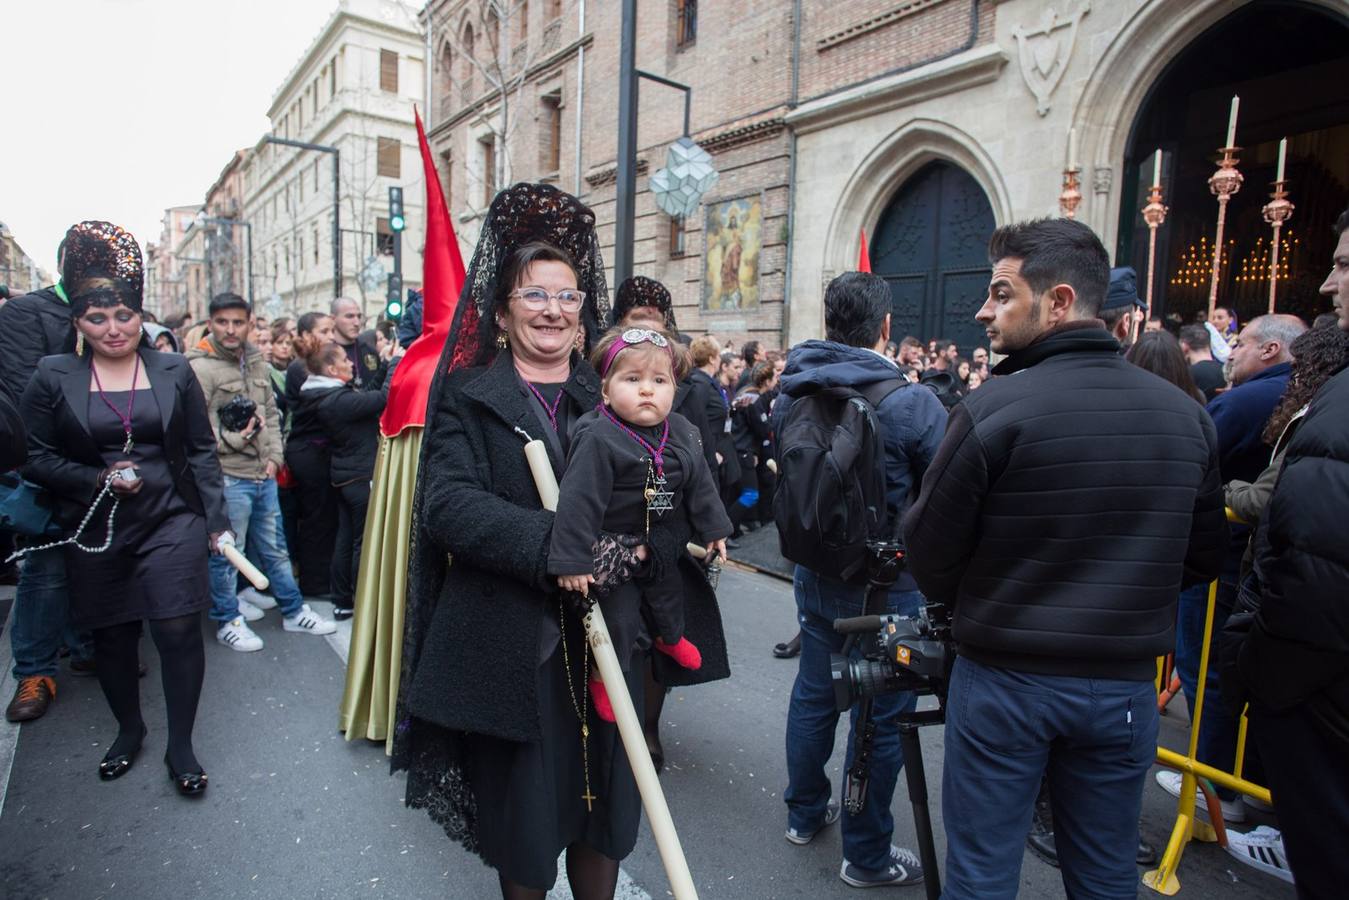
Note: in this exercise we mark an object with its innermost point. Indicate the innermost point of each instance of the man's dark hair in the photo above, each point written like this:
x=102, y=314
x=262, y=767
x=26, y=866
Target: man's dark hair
x=749, y=351
x=911, y=341
x=1057, y=251
x=855, y=307
x=1341, y=224
x=1195, y=337
x=227, y=300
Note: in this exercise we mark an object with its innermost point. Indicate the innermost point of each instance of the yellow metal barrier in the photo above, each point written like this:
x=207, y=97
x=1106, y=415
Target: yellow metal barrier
x=1189, y=827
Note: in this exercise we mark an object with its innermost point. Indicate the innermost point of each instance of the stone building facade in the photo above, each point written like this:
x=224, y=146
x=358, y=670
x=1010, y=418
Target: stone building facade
x=354, y=88
x=922, y=123
x=174, y=285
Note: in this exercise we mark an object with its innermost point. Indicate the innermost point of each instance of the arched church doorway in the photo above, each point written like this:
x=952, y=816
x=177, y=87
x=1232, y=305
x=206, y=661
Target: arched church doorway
x=1286, y=61
x=931, y=245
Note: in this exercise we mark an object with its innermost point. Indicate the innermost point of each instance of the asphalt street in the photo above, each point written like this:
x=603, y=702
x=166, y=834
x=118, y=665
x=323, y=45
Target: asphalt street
x=294, y=810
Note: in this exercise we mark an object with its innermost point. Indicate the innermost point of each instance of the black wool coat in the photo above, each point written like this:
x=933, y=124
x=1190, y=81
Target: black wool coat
x=476, y=670
x=62, y=455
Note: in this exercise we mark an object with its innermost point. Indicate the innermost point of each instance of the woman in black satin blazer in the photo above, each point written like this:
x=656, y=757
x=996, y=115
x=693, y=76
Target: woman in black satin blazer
x=123, y=408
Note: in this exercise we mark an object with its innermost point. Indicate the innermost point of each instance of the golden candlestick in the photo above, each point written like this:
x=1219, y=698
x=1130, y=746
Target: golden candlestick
x=1276, y=211
x=1070, y=197
x=1154, y=214
x=1223, y=183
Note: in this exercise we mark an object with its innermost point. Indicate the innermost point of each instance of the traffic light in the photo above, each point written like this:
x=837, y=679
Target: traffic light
x=397, y=222
x=393, y=304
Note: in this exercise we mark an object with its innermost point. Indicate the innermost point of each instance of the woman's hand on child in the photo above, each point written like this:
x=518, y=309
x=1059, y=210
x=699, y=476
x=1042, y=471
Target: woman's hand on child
x=578, y=584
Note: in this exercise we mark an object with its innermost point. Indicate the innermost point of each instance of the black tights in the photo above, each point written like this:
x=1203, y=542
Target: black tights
x=182, y=660
x=593, y=876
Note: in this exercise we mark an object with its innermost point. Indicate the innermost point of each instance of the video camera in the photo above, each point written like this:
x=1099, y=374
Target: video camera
x=899, y=653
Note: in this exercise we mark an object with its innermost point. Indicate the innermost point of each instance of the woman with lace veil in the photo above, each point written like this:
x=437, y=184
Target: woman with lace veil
x=494, y=723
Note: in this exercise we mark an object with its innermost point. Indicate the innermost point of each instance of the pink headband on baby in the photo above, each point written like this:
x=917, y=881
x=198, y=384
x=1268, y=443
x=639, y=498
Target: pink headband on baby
x=631, y=337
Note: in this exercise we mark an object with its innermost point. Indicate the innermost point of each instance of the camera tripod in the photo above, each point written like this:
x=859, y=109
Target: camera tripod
x=887, y=560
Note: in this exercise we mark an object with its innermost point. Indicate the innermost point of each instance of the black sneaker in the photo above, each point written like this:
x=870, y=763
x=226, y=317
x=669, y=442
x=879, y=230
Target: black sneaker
x=904, y=869
x=832, y=811
x=342, y=613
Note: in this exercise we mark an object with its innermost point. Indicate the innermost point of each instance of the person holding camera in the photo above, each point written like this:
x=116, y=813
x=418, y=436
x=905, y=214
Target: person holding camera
x=124, y=420
x=1065, y=510
x=350, y=420
x=908, y=420
x=238, y=390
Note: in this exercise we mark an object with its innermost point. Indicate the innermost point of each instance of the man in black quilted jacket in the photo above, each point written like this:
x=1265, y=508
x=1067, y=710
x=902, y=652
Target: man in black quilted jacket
x=1071, y=499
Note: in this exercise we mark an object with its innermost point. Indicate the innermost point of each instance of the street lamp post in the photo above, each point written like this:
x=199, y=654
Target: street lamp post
x=337, y=202
x=203, y=219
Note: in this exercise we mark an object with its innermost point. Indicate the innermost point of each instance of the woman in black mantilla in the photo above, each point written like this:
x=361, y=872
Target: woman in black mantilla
x=122, y=407
x=492, y=700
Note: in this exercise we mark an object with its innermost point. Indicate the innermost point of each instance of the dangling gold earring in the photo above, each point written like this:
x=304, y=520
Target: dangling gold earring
x=579, y=344
x=503, y=340
x=79, y=343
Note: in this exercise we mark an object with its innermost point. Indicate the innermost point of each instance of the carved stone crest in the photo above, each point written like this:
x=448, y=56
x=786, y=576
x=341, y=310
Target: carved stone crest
x=1044, y=52
x=1102, y=178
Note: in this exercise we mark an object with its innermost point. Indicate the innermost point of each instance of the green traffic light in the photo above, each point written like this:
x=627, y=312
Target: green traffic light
x=397, y=223
x=394, y=309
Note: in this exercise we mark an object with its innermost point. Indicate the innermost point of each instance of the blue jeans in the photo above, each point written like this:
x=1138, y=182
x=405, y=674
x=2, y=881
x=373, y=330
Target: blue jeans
x=1217, y=727
x=39, y=623
x=1094, y=737
x=255, y=519
x=812, y=721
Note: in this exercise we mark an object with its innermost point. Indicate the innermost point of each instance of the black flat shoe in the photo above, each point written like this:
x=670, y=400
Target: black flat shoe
x=189, y=784
x=788, y=649
x=657, y=753
x=113, y=767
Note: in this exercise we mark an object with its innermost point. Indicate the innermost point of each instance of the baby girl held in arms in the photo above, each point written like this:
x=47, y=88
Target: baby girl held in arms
x=632, y=459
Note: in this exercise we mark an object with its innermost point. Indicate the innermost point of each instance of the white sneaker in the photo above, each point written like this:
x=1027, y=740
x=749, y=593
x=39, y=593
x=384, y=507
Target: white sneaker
x=1261, y=849
x=308, y=621
x=250, y=612
x=1233, y=810
x=236, y=635
x=258, y=598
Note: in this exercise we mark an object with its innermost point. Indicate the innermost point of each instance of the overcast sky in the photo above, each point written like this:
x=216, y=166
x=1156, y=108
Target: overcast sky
x=118, y=109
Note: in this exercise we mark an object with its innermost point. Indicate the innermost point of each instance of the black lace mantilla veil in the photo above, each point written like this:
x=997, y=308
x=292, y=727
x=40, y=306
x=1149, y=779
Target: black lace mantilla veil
x=518, y=215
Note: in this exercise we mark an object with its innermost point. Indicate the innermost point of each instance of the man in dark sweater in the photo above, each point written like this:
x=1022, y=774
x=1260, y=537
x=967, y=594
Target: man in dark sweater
x=367, y=369
x=910, y=421
x=1069, y=502
x=33, y=326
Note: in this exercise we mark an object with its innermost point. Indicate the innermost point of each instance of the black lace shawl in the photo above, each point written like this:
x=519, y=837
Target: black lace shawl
x=518, y=215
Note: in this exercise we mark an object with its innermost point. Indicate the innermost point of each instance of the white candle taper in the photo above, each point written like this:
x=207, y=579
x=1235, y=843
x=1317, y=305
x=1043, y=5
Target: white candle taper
x=1283, y=155
x=1072, y=149
x=1157, y=166
x=1232, y=122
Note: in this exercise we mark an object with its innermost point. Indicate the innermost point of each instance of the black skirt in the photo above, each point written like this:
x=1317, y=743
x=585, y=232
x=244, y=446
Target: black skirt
x=529, y=796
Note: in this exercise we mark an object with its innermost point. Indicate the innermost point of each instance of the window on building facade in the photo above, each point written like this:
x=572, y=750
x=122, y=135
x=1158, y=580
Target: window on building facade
x=299, y=252
x=466, y=79
x=388, y=71
x=487, y=149
x=522, y=14
x=446, y=71
x=316, y=176
x=299, y=184
x=317, y=243
x=447, y=178
x=388, y=160
x=553, y=10
x=287, y=249
x=676, y=236
x=686, y=22
x=383, y=237
x=550, y=132
x=332, y=79
x=314, y=99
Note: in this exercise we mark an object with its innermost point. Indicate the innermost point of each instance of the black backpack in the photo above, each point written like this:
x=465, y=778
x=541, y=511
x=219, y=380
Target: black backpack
x=830, y=497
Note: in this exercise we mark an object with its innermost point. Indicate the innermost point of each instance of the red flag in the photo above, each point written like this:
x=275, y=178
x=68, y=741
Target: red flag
x=864, y=258
x=442, y=280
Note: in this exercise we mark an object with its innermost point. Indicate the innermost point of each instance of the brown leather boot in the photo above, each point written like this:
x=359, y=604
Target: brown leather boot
x=31, y=700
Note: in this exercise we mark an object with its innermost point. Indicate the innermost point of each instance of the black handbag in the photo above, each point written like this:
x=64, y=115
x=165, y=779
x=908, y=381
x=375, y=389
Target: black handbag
x=24, y=509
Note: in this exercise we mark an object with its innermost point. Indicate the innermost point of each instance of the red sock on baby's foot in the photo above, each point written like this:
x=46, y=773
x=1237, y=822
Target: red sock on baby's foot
x=601, y=699
x=682, y=651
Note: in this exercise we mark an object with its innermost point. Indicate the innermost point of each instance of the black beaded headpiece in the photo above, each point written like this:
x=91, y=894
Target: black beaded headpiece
x=642, y=291
x=101, y=266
